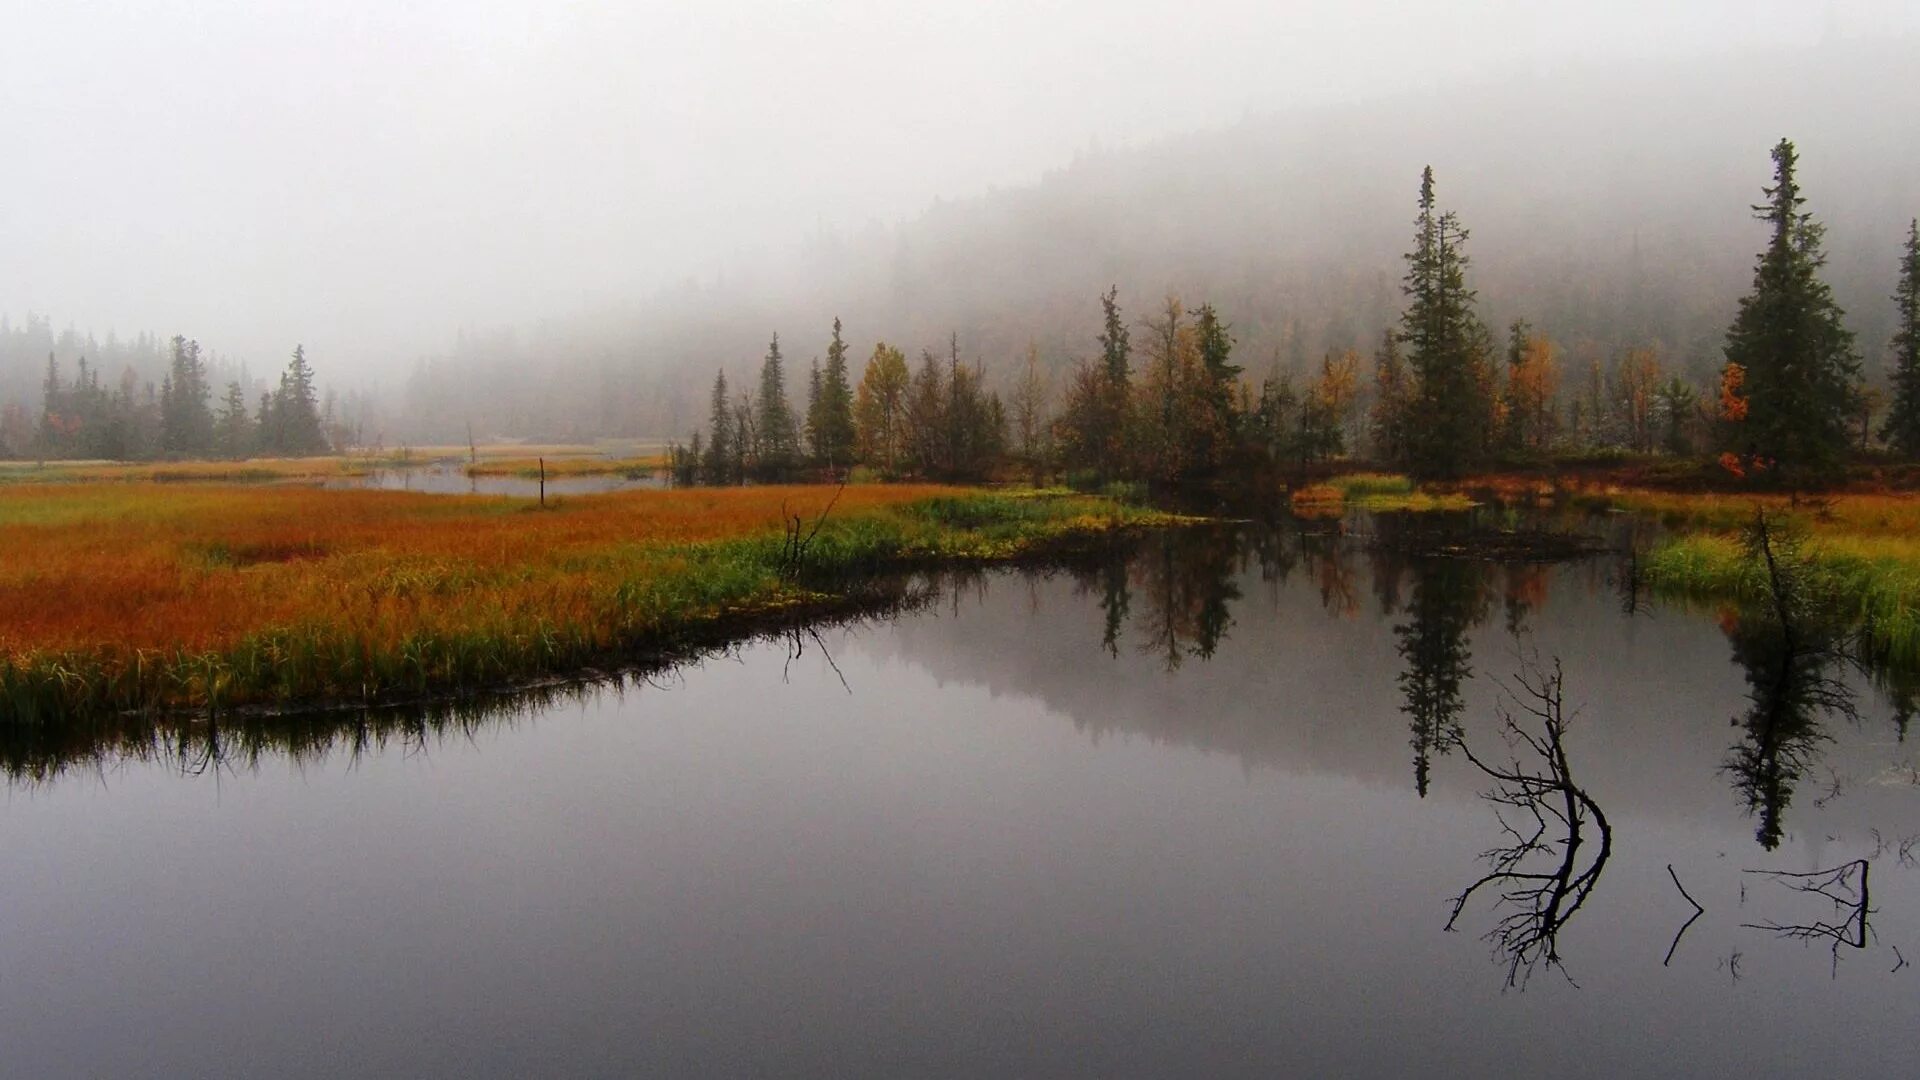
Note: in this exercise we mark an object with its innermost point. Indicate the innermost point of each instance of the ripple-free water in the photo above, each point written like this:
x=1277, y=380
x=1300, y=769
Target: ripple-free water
x=1156, y=817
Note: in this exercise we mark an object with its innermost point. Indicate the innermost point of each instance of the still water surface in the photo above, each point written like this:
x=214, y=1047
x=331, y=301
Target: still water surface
x=1160, y=815
x=446, y=478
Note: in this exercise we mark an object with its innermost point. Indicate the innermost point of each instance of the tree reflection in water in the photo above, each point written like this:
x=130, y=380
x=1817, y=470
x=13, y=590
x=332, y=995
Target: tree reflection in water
x=1448, y=599
x=1793, y=658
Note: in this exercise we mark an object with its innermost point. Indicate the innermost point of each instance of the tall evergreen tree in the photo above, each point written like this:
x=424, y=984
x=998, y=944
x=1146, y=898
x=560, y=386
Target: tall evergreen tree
x=53, y=404
x=1902, y=428
x=836, y=404
x=186, y=413
x=812, y=427
x=1788, y=338
x=296, y=410
x=1446, y=345
x=720, y=443
x=1222, y=380
x=777, y=440
x=1115, y=352
x=233, y=431
x=926, y=416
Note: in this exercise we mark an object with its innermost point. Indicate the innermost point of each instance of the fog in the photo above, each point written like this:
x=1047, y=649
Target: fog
x=385, y=182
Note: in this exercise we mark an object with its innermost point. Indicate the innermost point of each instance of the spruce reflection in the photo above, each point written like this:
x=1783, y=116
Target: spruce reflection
x=1186, y=580
x=1793, y=660
x=1449, y=598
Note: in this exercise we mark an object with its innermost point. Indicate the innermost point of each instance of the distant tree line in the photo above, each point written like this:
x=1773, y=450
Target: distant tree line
x=1165, y=399
x=81, y=417
x=938, y=421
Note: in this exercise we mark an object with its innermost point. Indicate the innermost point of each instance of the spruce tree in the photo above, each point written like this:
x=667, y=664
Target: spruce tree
x=1109, y=441
x=1902, y=428
x=1222, y=379
x=1114, y=349
x=777, y=439
x=836, y=404
x=720, y=443
x=233, y=435
x=186, y=413
x=53, y=426
x=812, y=427
x=1788, y=338
x=1446, y=346
x=296, y=409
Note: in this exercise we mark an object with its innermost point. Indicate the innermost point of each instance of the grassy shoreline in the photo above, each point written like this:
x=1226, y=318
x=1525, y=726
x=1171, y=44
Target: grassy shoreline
x=137, y=599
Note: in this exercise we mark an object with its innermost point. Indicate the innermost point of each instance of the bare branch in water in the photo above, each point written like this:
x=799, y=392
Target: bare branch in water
x=1688, y=925
x=1538, y=872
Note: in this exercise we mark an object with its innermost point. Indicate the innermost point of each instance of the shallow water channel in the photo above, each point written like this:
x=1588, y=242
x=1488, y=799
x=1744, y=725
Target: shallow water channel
x=451, y=478
x=1201, y=808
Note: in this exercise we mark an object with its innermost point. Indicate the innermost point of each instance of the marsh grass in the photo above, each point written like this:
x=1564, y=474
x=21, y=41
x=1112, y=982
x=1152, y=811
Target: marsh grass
x=1372, y=491
x=134, y=598
x=1862, y=554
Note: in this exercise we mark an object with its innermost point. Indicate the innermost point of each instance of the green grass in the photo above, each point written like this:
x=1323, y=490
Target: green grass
x=1364, y=485
x=1872, y=583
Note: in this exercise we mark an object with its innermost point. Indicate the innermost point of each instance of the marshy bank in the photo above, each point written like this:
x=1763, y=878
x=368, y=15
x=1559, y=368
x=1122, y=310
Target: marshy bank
x=129, y=598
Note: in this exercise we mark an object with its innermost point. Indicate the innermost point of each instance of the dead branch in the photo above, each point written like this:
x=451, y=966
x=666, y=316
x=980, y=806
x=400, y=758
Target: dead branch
x=1538, y=872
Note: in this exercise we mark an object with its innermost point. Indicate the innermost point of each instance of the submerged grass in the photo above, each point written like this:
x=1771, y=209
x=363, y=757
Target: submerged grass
x=137, y=597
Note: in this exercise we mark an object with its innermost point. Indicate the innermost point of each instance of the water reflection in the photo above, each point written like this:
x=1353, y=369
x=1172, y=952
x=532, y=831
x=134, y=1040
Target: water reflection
x=1168, y=784
x=452, y=478
x=1793, y=683
x=1177, y=598
x=1448, y=600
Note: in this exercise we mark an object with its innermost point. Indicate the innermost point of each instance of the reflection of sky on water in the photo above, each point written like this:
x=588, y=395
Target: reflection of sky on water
x=1006, y=850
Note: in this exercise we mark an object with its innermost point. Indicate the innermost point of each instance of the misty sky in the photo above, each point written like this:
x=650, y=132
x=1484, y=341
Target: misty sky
x=366, y=177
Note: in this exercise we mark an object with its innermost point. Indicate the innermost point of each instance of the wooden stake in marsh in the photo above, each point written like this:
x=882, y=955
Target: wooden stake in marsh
x=543, y=483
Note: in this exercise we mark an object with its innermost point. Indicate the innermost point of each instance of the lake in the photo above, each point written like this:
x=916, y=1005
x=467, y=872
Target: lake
x=451, y=478
x=1199, y=807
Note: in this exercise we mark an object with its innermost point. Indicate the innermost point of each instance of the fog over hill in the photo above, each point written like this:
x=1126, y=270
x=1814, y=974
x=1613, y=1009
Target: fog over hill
x=1607, y=207
x=615, y=202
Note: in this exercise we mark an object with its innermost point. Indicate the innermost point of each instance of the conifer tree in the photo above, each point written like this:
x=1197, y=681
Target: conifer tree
x=812, y=427
x=1222, y=379
x=1115, y=351
x=186, y=414
x=835, y=437
x=720, y=443
x=233, y=430
x=296, y=410
x=1446, y=345
x=776, y=439
x=1798, y=357
x=52, y=407
x=1902, y=427
x=926, y=416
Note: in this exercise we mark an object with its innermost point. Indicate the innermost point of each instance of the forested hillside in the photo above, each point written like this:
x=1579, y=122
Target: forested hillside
x=1608, y=207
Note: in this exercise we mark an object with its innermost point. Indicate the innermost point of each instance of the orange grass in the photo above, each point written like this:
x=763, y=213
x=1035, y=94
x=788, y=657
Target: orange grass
x=185, y=595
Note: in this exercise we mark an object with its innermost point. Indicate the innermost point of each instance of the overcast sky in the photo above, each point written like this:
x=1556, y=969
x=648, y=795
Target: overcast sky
x=367, y=176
